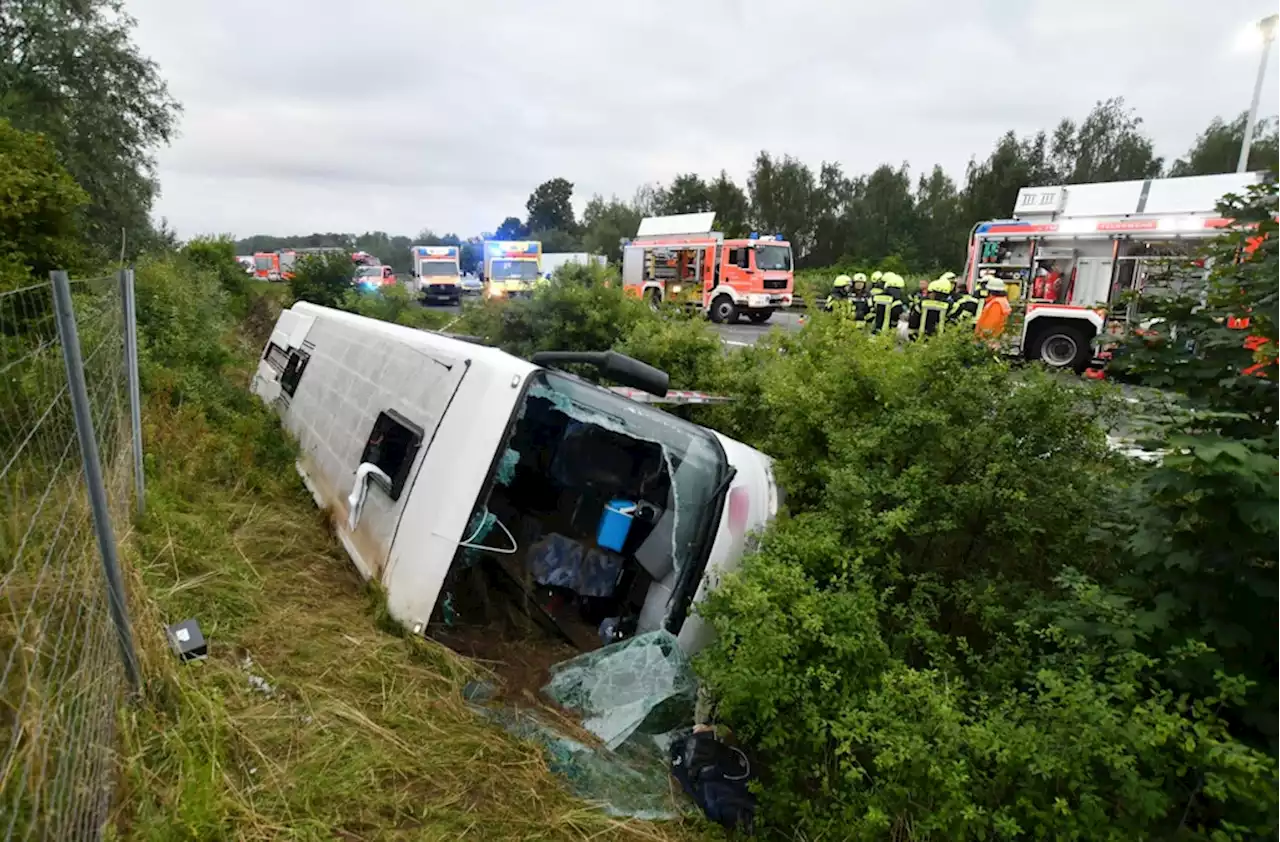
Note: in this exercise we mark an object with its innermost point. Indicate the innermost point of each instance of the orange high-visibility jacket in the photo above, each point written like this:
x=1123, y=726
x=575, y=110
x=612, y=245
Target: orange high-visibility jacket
x=995, y=312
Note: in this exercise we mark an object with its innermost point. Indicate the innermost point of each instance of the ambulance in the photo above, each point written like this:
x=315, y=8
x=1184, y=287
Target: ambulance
x=438, y=272
x=678, y=259
x=1079, y=258
x=511, y=267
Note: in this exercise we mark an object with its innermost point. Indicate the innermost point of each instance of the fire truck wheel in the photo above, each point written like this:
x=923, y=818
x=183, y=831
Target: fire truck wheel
x=723, y=310
x=655, y=300
x=759, y=317
x=1061, y=346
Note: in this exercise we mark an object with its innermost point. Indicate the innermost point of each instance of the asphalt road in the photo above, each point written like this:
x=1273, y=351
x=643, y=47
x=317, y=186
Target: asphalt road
x=745, y=333
x=736, y=335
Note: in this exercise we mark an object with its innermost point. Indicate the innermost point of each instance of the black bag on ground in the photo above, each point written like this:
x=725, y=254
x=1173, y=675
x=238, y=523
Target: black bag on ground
x=715, y=775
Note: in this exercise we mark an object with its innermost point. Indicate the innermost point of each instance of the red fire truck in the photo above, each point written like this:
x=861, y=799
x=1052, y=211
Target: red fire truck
x=679, y=259
x=1072, y=252
x=266, y=266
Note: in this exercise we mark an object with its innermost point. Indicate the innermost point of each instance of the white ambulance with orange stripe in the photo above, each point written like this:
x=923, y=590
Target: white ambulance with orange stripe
x=1073, y=253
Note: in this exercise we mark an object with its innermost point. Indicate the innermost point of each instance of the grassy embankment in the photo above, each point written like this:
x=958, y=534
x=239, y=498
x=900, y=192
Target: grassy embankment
x=363, y=733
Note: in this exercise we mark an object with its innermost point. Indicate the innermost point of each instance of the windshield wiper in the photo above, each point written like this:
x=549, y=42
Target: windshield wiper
x=722, y=487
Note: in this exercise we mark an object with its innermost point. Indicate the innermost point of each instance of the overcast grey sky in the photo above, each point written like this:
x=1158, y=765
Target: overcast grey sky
x=398, y=115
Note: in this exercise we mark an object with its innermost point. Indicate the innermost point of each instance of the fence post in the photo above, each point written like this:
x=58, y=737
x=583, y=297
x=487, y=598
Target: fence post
x=135, y=394
x=116, y=603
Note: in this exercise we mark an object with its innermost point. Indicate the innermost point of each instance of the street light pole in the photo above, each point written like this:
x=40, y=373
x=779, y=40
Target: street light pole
x=1267, y=26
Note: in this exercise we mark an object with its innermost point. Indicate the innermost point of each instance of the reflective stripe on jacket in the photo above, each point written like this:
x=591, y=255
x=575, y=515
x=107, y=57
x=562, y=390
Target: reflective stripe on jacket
x=933, y=314
x=963, y=309
x=886, y=311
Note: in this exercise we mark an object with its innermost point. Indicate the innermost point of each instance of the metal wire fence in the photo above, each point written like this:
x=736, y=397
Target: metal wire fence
x=67, y=375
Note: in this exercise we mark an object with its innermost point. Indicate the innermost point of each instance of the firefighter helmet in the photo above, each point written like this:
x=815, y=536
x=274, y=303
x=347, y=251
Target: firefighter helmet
x=942, y=285
x=892, y=280
x=841, y=281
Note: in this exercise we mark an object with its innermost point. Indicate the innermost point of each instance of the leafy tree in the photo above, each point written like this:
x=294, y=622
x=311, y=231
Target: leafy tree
x=70, y=71
x=556, y=240
x=833, y=203
x=38, y=231
x=550, y=206
x=1109, y=146
x=882, y=219
x=1217, y=148
x=606, y=223
x=687, y=194
x=471, y=255
x=782, y=196
x=939, y=227
x=510, y=229
x=991, y=187
x=731, y=205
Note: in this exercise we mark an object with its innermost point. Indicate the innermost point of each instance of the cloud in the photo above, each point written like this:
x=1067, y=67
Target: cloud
x=397, y=115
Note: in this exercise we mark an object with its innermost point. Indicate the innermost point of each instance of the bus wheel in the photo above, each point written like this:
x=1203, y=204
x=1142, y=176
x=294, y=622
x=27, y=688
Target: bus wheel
x=655, y=300
x=759, y=317
x=723, y=310
x=1061, y=346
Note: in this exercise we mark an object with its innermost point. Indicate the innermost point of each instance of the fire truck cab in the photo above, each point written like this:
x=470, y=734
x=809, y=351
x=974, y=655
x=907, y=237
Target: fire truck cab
x=679, y=259
x=266, y=266
x=1072, y=254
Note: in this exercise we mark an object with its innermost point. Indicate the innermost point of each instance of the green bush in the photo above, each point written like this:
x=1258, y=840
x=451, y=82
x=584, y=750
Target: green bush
x=582, y=309
x=1047, y=735
x=1202, y=540
x=218, y=256
x=393, y=303
x=682, y=345
x=324, y=278
x=925, y=648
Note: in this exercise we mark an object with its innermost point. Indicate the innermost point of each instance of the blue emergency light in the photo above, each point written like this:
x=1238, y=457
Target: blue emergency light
x=754, y=235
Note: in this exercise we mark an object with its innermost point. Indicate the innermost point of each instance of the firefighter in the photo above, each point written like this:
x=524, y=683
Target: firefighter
x=877, y=283
x=886, y=307
x=964, y=307
x=839, y=292
x=933, y=308
x=995, y=310
x=860, y=298
x=914, y=300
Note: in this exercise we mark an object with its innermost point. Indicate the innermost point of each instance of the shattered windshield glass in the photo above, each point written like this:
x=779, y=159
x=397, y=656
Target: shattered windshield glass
x=694, y=460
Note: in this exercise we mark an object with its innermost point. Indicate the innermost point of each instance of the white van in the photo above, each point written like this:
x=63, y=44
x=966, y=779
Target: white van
x=438, y=457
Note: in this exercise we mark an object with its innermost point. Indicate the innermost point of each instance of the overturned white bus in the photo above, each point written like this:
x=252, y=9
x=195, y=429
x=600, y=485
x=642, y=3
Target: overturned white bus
x=438, y=457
